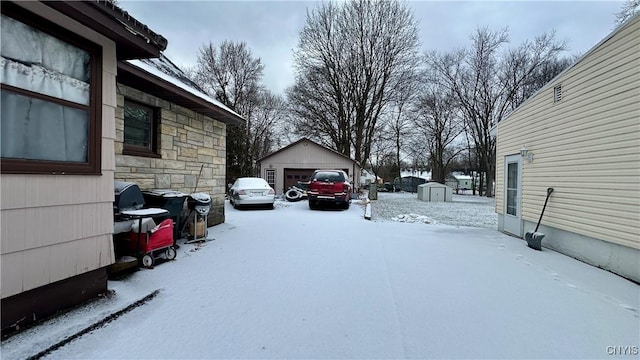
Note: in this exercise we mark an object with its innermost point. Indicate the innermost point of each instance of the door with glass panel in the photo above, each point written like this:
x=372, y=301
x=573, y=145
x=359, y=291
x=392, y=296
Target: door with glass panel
x=512, y=193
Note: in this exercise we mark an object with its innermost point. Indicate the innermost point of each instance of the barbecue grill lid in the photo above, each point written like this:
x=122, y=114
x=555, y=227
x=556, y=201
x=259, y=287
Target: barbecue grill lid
x=198, y=199
x=127, y=196
x=120, y=186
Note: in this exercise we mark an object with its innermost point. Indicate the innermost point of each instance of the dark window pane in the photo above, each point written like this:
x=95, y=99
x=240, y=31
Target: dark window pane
x=138, y=122
x=50, y=121
x=35, y=129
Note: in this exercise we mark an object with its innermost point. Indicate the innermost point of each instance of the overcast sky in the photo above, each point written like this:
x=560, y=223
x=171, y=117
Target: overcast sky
x=271, y=28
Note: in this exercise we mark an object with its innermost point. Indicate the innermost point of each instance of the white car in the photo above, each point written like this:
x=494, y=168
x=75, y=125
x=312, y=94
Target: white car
x=251, y=191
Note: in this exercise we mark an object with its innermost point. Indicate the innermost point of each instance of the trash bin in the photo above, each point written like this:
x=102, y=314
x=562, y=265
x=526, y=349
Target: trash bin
x=171, y=200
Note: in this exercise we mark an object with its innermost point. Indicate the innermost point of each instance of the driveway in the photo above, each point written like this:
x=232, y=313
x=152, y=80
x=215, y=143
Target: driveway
x=296, y=283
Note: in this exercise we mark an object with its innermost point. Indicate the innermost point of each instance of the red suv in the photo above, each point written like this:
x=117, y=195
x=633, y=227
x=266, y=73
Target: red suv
x=329, y=187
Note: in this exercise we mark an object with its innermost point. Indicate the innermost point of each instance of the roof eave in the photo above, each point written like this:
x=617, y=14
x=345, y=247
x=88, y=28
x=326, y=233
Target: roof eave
x=301, y=140
x=135, y=77
x=133, y=39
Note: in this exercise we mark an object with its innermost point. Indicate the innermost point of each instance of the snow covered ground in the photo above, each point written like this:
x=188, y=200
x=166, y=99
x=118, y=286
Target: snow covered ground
x=464, y=210
x=296, y=283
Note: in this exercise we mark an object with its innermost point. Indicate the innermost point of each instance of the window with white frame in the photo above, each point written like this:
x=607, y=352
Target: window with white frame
x=271, y=177
x=50, y=85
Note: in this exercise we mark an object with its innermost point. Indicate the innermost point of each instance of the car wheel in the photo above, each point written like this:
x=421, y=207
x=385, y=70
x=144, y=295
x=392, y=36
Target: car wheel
x=313, y=205
x=346, y=205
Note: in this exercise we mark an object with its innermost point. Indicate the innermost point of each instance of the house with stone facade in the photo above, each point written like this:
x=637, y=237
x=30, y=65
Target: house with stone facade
x=73, y=75
x=169, y=134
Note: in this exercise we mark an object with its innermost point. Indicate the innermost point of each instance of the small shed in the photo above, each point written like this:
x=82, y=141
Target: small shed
x=434, y=191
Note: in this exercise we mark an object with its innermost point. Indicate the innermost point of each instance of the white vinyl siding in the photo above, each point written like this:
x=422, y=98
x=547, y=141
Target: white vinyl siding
x=587, y=146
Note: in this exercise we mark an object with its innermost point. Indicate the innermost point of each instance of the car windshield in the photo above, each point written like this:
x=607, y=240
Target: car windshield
x=328, y=176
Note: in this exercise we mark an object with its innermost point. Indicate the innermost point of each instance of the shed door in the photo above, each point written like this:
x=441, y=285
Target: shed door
x=436, y=194
x=512, y=191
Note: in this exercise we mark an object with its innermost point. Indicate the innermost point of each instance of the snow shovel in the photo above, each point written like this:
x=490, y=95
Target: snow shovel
x=534, y=239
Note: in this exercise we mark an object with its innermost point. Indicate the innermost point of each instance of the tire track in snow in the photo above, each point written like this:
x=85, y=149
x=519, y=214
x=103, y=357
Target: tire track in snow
x=396, y=314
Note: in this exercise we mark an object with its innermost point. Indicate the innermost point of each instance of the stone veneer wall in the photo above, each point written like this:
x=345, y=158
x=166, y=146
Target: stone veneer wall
x=187, y=140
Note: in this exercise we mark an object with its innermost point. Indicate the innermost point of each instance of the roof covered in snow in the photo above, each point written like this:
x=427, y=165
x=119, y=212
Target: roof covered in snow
x=162, y=78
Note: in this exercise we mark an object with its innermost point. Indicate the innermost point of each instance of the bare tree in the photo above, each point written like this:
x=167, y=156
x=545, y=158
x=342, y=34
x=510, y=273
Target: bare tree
x=231, y=75
x=350, y=58
x=381, y=154
x=400, y=115
x=539, y=77
x=270, y=112
x=628, y=10
x=485, y=83
x=440, y=125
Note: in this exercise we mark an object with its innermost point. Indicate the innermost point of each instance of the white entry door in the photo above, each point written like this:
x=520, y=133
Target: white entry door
x=512, y=192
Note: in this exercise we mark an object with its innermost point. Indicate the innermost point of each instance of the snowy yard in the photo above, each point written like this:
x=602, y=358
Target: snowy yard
x=464, y=210
x=296, y=283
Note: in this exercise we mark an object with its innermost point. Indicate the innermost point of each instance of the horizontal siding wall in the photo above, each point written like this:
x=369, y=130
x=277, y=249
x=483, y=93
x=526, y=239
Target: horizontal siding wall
x=587, y=146
x=58, y=226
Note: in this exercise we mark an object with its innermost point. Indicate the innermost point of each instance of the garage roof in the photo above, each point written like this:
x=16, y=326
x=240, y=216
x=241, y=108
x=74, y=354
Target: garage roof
x=298, y=142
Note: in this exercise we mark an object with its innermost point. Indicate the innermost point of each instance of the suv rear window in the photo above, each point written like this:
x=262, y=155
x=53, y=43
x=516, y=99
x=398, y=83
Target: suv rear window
x=328, y=176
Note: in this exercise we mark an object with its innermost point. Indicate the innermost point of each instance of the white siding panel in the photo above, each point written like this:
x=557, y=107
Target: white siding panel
x=66, y=255
x=13, y=237
x=37, y=227
x=37, y=268
x=11, y=270
x=587, y=147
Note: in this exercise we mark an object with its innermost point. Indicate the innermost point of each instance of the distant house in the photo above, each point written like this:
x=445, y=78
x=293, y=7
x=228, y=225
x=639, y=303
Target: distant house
x=297, y=161
x=367, y=178
x=579, y=134
x=465, y=182
x=459, y=182
x=451, y=181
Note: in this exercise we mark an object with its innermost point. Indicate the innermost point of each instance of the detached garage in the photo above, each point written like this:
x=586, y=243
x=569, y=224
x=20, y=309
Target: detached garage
x=297, y=161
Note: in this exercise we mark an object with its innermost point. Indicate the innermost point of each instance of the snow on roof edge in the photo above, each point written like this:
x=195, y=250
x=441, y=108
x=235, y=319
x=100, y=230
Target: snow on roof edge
x=159, y=74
